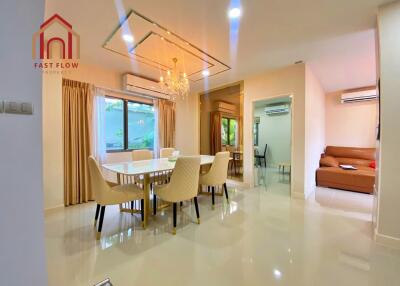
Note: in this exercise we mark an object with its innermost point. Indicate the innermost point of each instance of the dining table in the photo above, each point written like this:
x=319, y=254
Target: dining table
x=145, y=169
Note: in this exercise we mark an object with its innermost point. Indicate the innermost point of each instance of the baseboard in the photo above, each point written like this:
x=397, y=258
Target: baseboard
x=386, y=240
x=52, y=209
x=302, y=196
x=297, y=195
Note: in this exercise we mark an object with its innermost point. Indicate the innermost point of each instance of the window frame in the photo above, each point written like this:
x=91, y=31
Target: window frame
x=125, y=123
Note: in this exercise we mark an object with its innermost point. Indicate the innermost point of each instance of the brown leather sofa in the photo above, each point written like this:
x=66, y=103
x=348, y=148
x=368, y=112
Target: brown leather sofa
x=331, y=175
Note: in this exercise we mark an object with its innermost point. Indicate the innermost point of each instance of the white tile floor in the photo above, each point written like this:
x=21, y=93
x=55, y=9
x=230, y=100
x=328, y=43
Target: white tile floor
x=261, y=237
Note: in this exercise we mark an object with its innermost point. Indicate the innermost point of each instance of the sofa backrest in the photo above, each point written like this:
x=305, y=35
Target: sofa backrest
x=351, y=155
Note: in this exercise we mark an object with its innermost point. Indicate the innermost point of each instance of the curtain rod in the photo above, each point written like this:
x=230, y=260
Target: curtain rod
x=130, y=93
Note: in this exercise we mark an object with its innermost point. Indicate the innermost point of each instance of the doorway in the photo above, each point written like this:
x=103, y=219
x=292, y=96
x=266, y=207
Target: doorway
x=272, y=140
x=221, y=125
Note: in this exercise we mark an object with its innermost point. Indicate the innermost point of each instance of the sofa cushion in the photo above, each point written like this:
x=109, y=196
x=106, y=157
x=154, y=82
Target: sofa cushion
x=328, y=161
x=360, y=180
x=353, y=161
x=372, y=165
x=351, y=152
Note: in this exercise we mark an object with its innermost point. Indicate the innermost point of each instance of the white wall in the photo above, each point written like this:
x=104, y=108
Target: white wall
x=314, y=130
x=53, y=168
x=388, y=226
x=285, y=81
x=188, y=125
x=22, y=254
x=276, y=132
x=350, y=125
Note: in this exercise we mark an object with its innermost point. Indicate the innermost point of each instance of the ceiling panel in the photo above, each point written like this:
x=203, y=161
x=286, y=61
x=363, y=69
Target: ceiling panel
x=154, y=47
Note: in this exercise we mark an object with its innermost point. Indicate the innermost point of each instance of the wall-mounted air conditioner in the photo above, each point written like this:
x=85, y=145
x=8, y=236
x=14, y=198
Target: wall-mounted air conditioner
x=359, y=96
x=142, y=85
x=277, y=109
x=225, y=107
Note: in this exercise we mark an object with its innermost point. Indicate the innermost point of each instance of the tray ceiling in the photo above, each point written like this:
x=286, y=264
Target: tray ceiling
x=152, y=47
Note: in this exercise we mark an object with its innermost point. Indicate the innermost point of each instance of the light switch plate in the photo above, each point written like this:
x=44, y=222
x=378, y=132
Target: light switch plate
x=15, y=107
x=26, y=108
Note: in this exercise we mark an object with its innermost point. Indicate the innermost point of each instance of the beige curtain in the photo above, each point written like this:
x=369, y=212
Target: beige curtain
x=215, y=136
x=77, y=99
x=166, y=123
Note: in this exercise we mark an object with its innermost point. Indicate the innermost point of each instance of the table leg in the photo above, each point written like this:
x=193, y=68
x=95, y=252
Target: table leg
x=146, y=184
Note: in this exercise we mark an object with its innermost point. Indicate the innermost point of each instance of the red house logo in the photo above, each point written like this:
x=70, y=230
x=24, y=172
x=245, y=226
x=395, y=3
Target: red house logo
x=63, y=38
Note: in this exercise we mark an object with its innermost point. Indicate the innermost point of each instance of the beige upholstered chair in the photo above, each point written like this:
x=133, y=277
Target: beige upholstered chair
x=166, y=152
x=105, y=195
x=217, y=174
x=183, y=185
x=144, y=154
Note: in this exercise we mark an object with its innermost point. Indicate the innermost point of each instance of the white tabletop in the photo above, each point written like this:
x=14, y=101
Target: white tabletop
x=149, y=166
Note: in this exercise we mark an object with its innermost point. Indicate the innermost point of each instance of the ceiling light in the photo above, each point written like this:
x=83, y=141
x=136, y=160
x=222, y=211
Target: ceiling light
x=127, y=38
x=234, y=13
x=277, y=274
x=205, y=72
x=175, y=83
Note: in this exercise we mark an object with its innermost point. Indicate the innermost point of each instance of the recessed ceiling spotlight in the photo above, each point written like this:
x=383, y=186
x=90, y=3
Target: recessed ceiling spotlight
x=205, y=73
x=127, y=38
x=277, y=274
x=234, y=13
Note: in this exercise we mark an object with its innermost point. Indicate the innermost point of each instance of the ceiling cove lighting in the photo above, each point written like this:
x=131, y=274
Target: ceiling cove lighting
x=127, y=38
x=234, y=13
x=205, y=72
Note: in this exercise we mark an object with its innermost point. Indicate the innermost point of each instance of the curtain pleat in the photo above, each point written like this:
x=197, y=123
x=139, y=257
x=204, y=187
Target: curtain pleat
x=166, y=123
x=215, y=136
x=77, y=114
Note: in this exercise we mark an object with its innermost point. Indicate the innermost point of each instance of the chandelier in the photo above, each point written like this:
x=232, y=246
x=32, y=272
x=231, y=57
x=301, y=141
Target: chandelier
x=175, y=83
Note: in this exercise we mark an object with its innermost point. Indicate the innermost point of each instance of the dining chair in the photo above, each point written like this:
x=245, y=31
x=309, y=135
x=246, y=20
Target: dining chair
x=143, y=154
x=217, y=174
x=166, y=152
x=105, y=195
x=182, y=186
x=258, y=157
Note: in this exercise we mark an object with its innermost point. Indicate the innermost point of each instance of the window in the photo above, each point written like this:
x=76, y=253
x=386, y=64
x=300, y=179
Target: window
x=255, y=132
x=229, y=131
x=114, y=124
x=129, y=125
x=140, y=126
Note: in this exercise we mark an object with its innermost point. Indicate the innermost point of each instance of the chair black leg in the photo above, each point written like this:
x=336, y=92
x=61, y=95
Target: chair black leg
x=208, y=188
x=132, y=207
x=96, y=217
x=142, y=211
x=102, y=210
x=181, y=204
x=154, y=204
x=174, y=218
x=196, y=205
x=226, y=192
x=265, y=162
x=213, y=195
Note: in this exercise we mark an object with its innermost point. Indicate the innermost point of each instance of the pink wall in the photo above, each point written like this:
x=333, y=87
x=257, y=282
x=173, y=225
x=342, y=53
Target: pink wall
x=351, y=124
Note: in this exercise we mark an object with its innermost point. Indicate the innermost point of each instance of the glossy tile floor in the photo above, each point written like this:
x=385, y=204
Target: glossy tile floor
x=261, y=237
